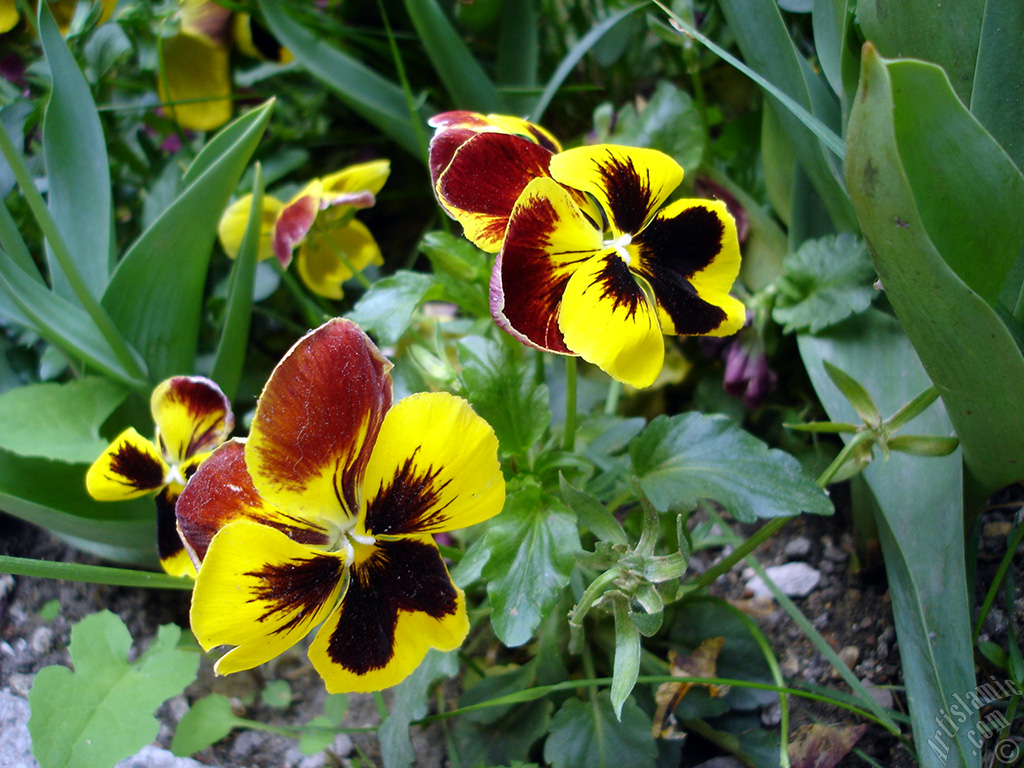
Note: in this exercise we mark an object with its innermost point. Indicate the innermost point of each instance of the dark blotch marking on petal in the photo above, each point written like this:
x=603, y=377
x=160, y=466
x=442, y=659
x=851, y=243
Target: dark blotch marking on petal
x=401, y=575
x=168, y=542
x=410, y=504
x=205, y=405
x=617, y=283
x=532, y=288
x=263, y=41
x=629, y=193
x=136, y=468
x=672, y=251
x=298, y=588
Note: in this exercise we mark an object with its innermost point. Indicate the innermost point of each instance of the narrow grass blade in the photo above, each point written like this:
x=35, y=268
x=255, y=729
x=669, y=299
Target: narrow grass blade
x=230, y=357
x=518, y=63
x=463, y=77
x=77, y=171
x=91, y=574
x=573, y=57
x=377, y=99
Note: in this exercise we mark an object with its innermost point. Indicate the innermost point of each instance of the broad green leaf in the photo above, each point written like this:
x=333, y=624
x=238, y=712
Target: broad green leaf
x=944, y=33
x=102, y=711
x=385, y=310
x=920, y=521
x=592, y=514
x=464, y=79
x=156, y=293
x=51, y=494
x=513, y=735
x=58, y=421
x=626, y=665
x=827, y=17
x=207, y=721
x=410, y=702
x=961, y=340
x=577, y=52
x=770, y=53
x=680, y=460
x=999, y=77
x=967, y=189
x=824, y=281
x=586, y=734
x=60, y=322
x=77, y=171
x=323, y=729
x=234, y=337
x=377, y=99
x=462, y=269
x=669, y=122
x=501, y=388
x=533, y=545
x=518, y=58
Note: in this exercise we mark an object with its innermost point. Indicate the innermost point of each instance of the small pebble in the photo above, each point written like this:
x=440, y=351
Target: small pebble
x=998, y=530
x=798, y=548
x=794, y=579
x=849, y=655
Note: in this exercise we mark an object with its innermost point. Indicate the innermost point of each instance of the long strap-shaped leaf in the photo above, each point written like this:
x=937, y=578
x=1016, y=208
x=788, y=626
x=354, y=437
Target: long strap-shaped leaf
x=77, y=171
x=377, y=99
x=156, y=293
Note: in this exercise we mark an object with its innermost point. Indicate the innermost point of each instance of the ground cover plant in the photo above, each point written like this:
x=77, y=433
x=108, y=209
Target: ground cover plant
x=436, y=342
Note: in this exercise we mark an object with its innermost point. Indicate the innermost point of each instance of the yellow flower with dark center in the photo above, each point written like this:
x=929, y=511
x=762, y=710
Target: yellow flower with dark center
x=192, y=417
x=63, y=13
x=319, y=221
x=324, y=517
x=589, y=261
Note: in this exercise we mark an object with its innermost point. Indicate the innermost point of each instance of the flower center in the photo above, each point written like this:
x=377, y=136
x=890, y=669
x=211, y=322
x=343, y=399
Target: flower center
x=174, y=475
x=348, y=540
x=619, y=244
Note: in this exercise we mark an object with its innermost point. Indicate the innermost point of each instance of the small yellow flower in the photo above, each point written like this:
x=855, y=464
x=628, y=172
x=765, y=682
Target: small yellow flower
x=319, y=221
x=192, y=417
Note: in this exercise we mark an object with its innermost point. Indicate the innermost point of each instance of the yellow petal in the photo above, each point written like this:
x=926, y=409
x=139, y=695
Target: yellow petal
x=328, y=257
x=607, y=320
x=9, y=15
x=261, y=592
x=192, y=416
x=174, y=559
x=369, y=177
x=630, y=183
x=198, y=73
x=130, y=467
x=231, y=228
x=433, y=468
x=400, y=603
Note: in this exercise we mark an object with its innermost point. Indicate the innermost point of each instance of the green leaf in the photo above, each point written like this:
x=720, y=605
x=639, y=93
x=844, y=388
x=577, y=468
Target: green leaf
x=533, y=545
x=385, y=310
x=854, y=391
x=924, y=445
x=156, y=294
x=51, y=494
x=207, y=721
x=968, y=192
x=501, y=388
x=966, y=349
x=680, y=460
x=462, y=269
x=669, y=122
x=626, y=666
x=63, y=324
x=920, y=520
x=463, y=78
x=586, y=734
x=763, y=38
x=999, y=77
x=77, y=170
x=410, y=703
x=518, y=56
x=577, y=52
x=824, y=282
x=234, y=338
x=102, y=711
x=947, y=35
x=592, y=514
x=377, y=99
x=58, y=421
x=323, y=729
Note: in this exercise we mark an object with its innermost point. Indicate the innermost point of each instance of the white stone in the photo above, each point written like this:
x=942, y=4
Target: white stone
x=794, y=579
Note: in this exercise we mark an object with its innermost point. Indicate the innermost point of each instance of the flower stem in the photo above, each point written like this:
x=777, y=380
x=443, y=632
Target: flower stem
x=569, y=436
x=91, y=574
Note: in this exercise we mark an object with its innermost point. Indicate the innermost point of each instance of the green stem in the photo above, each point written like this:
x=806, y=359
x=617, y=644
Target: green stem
x=67, y=264
x=91, y=574
x=569, y=436
x=725, y=565
x=586, y=601
x=611, y=402
x=410, y=98
x=1004, y=566
x=313, y=312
